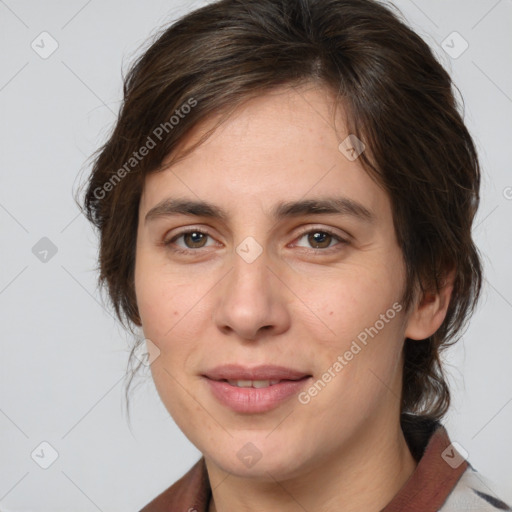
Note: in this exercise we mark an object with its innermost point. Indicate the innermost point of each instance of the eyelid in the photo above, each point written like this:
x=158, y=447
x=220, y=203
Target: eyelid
x=325, y=229
x=184, y=231
x=342, y=238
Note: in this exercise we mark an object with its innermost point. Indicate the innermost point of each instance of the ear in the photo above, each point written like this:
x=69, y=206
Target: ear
x=429, y=312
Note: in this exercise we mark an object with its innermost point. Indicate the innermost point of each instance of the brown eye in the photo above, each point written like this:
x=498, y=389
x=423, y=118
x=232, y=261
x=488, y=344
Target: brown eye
x=194, y=239
x=319, y=239
x=189, y=241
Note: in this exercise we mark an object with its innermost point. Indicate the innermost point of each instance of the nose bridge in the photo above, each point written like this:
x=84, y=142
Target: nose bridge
x=249, y=302
x=250, y=270
x=248, y=284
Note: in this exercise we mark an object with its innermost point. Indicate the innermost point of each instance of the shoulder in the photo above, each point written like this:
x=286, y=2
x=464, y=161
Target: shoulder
x=190, y=493
x=473, y=492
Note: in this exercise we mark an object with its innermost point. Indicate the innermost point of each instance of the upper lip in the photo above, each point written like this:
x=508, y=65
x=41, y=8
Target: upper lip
x=262, y=372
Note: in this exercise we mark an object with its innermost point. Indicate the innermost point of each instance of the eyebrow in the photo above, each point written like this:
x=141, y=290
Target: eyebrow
x=324, y=205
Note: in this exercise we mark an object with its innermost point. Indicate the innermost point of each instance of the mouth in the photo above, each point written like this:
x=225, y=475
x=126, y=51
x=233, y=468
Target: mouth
x=262, y=375
x=257, y=384
x=254, y=390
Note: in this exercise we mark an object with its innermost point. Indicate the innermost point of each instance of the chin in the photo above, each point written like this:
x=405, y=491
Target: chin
x=253, y=456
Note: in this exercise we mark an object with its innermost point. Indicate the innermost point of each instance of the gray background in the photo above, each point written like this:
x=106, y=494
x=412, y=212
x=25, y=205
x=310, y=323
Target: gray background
x=63, y=356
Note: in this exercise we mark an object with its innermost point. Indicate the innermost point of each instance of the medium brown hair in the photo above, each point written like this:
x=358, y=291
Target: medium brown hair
x=399, y=101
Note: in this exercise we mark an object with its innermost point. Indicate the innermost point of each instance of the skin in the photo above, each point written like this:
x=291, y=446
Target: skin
x=299, y=304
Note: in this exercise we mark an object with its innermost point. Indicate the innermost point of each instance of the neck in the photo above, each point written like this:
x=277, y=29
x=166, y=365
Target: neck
x=363, y=477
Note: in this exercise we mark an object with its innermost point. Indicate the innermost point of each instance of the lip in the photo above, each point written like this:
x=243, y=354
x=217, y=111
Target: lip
x=254, y=400
x=261, y=372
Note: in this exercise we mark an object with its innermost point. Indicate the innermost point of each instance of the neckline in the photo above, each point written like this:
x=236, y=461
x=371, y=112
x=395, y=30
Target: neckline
x=427, y=488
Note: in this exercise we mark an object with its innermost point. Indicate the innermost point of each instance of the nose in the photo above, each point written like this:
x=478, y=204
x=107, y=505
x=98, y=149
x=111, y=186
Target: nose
x=250, y=301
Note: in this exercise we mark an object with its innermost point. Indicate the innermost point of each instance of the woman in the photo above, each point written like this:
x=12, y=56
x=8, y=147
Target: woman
x=285, y=208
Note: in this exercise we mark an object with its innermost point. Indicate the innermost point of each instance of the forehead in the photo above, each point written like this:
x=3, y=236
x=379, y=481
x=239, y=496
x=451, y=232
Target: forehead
x=280, y=146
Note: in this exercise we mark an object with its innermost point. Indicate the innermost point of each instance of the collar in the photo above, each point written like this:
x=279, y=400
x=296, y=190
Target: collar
x=426, y=489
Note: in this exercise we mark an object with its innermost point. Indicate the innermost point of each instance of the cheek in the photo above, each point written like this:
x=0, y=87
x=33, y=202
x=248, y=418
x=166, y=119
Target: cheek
x=163, y=296
x=172, y=311
x=360, y=372
x=341, y=305
x=163, y=311
x=166, y=308
x=361, y=323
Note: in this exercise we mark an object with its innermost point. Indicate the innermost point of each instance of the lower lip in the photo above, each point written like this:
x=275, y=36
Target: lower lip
x=254, y=400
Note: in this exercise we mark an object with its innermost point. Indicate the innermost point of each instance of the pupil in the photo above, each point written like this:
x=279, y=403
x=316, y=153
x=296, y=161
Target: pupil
x=196, y=237
x=319, y=238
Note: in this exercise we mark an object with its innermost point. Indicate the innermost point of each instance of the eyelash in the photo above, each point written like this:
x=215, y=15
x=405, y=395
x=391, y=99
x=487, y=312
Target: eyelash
x=305, y=231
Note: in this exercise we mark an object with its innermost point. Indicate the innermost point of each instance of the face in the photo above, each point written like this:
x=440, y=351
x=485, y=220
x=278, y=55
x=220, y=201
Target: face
x=268, y=259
